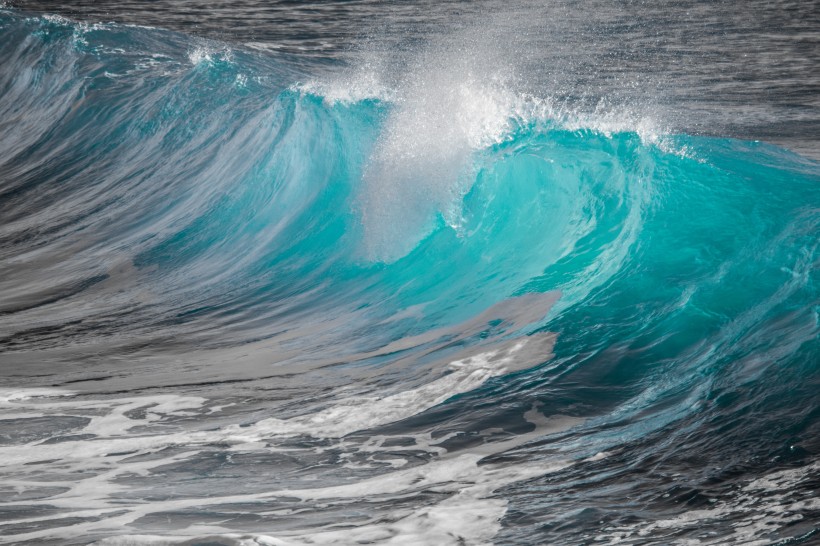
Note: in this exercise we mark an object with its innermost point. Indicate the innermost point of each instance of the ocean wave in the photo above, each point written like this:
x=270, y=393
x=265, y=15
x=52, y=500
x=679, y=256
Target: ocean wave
x=236, y=306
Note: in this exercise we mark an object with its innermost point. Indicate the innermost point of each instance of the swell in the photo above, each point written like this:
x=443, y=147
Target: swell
x=176, y=197
x=163, y=197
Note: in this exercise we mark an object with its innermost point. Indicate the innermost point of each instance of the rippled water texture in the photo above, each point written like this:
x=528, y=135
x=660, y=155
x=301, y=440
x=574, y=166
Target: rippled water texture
x=411, y=273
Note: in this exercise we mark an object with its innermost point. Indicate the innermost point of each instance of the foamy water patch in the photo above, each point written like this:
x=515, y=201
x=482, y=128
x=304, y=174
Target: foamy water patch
x=92, y=470
x=748, y=515
x=361, y=85
x=205, y=54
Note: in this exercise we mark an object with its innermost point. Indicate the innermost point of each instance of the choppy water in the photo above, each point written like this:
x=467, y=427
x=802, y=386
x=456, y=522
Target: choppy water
x=410, y=273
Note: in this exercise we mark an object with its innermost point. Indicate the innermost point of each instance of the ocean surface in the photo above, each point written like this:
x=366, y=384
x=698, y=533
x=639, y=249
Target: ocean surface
x=429, y=273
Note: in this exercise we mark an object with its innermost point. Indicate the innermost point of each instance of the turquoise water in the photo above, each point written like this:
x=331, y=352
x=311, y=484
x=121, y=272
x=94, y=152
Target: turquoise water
x=579, y=325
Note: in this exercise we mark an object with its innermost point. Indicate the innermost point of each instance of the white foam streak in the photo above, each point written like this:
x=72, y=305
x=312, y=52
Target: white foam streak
x=363, y=413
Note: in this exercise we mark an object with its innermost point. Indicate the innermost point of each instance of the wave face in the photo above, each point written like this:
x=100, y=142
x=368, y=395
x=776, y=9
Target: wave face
x=238, y=309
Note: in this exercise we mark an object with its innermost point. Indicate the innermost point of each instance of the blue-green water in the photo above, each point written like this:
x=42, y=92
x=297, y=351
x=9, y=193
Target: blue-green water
x=243, y=302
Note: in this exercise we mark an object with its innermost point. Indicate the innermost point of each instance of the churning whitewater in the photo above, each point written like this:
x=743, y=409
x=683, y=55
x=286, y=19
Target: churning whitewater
x=410, y=301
